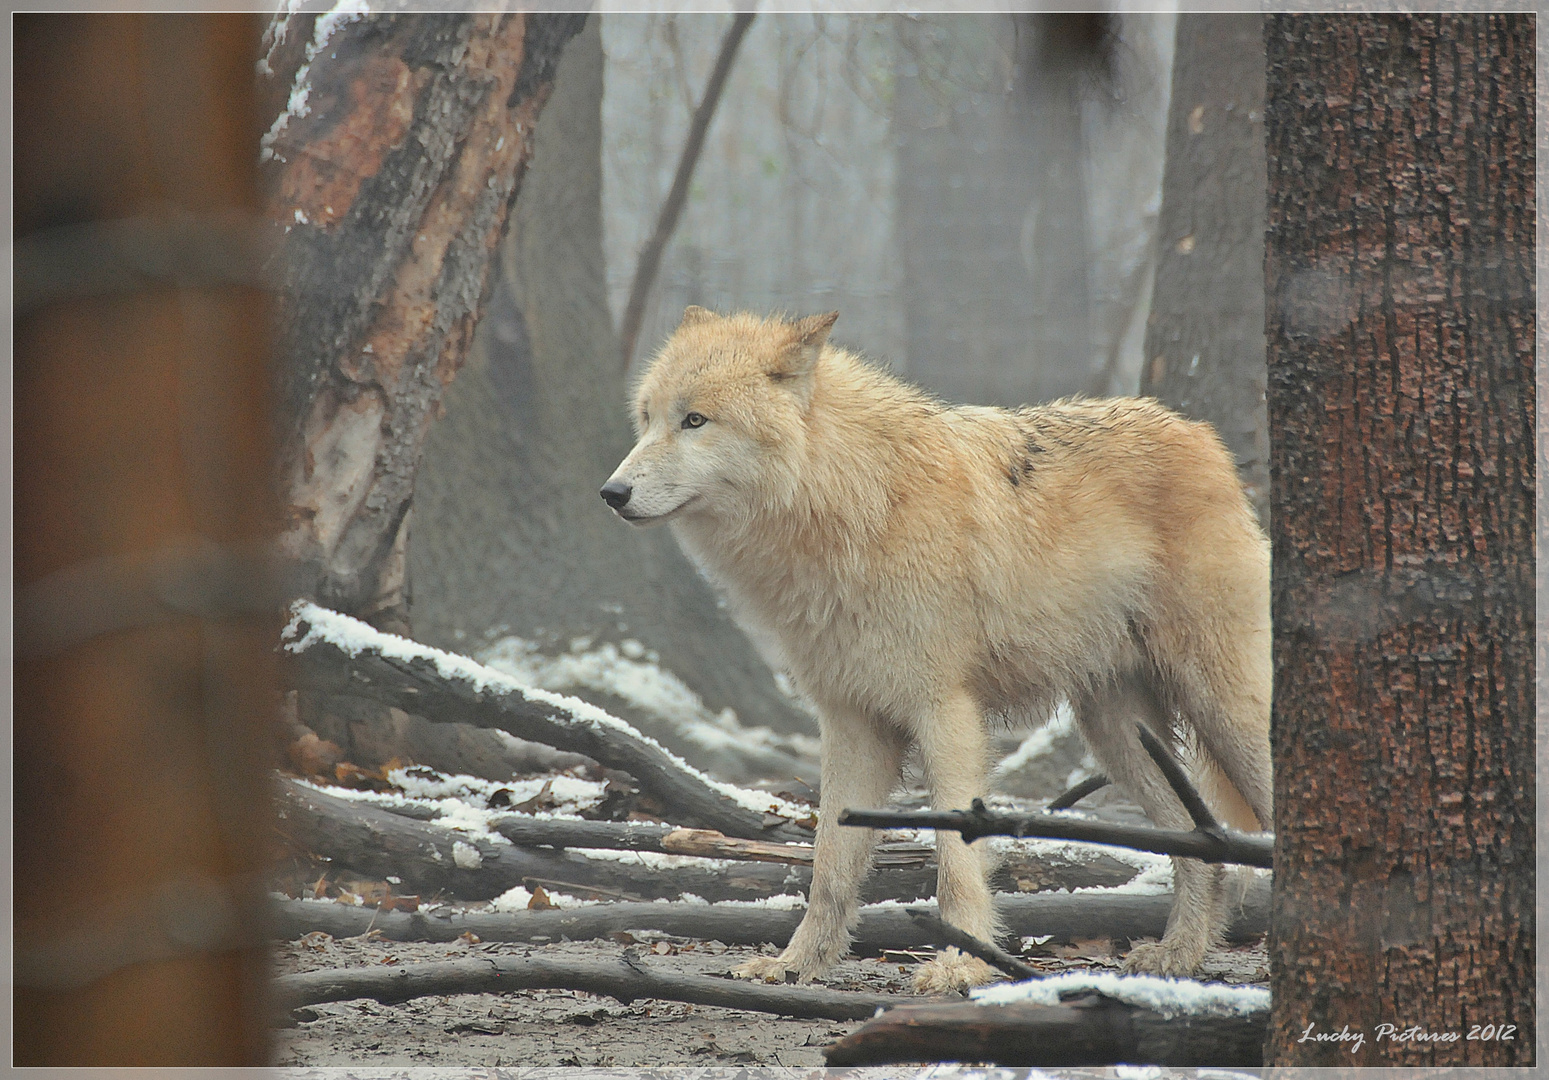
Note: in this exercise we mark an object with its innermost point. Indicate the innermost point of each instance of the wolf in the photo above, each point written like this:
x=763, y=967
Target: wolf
x=919, y=569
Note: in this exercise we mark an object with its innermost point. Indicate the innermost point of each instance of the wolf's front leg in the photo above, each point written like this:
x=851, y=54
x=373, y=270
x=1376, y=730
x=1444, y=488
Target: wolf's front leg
x=861, y=761
x=955, y=751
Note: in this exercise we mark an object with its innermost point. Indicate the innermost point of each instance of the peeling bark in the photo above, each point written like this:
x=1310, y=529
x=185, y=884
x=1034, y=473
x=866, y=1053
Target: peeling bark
x=1399, y=285
x=392, y=170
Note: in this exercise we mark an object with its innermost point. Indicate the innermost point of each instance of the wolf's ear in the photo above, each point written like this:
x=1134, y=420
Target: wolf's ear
x=694, y=314
x=812, y=332
x=808, y=336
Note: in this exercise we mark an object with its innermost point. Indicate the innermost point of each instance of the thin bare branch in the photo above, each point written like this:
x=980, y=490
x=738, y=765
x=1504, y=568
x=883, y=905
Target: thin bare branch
x=1229, y=846
x=944, y=933
x=651, y=255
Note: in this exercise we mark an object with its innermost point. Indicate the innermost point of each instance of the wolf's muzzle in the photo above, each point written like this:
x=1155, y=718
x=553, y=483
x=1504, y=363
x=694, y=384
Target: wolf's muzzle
x=616, y=493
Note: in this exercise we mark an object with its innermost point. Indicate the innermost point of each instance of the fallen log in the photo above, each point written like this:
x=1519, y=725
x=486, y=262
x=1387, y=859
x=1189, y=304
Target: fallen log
x=1093, y=1029
x=627, y=980
x=336, y=654
x=1066, y=917
x=429, y=859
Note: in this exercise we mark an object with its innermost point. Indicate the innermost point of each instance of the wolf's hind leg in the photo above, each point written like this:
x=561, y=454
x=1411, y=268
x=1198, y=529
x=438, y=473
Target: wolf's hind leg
x=954, y=748
x=861, y=763
x=1107, y=717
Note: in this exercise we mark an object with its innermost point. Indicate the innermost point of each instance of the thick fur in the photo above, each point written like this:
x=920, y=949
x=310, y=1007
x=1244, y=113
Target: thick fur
x=919, y=568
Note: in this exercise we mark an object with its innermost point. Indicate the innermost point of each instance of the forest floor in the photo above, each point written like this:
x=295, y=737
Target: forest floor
x=566, y=1028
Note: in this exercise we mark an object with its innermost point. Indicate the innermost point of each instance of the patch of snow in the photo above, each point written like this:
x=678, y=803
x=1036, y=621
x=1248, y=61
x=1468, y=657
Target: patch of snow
x=1169, y=997
x=466, y=856
x=782, y=902
x=352, y=637
x=345, y=11
x=517, y=899
x=1040, y=742
x=634, y=673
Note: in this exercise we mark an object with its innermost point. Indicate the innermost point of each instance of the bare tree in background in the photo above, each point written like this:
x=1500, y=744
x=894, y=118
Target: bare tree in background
x=510, y=534
x=1204, y=350
x=398, y=148
x=1399, y=280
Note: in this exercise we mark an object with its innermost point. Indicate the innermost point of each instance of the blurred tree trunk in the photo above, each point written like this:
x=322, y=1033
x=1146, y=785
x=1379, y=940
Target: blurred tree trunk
x=1399, y=278
x=143, y=630
x=392, y=166
x=1205, y=335
x=511, y=537
x=991, y=212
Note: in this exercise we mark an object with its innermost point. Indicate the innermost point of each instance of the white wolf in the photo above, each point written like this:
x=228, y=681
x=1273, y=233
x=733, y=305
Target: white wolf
x=921, y=567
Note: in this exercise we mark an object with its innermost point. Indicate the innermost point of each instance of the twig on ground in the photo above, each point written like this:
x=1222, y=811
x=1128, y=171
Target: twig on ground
x=944, y=933
x=627, y=980
x=1090, y=1030
x=669, y=839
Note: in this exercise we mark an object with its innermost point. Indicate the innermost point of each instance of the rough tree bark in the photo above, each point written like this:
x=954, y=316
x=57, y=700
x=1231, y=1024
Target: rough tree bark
x=1399, y=277
x=143, y=632
x=509, y=529
x=1205, y=335
x=392, y=167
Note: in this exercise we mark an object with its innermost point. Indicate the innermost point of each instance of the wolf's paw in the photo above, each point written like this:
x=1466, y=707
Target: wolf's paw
x=1169, y=960
x=951, y=972
x=762, y=969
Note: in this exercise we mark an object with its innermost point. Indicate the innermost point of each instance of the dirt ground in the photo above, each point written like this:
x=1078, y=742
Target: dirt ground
x=565, y=1028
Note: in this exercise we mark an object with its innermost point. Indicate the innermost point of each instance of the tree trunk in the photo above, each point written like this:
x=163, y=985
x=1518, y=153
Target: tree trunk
x=511, y=537
x=1399, y=277
x=392, y=168
x=143, y=632
x=1205, y=336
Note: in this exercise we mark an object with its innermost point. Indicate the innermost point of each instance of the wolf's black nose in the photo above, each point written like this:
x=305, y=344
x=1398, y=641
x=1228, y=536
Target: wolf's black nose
x=616, y=493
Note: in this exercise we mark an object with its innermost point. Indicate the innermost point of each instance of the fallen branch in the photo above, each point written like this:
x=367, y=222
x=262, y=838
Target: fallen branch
x=944, y=933
x=1065, y=917
x=626, y=980
x=336, y=654
x=1095, y=782
x=1225, y=846
x=1091, y=1030
x=669, y=839
x=378, y=841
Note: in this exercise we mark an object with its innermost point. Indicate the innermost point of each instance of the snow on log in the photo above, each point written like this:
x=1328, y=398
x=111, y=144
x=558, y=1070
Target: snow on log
x=627, y=980
x=1104, y=913
x=360, y=832
x=1085, y=1027
x=334, y=653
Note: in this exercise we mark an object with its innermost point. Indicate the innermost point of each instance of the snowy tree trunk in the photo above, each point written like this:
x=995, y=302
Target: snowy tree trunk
x=1399, y=279
x=392, y=167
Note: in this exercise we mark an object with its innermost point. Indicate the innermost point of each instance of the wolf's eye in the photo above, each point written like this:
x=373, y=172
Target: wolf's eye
x=693, y=420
